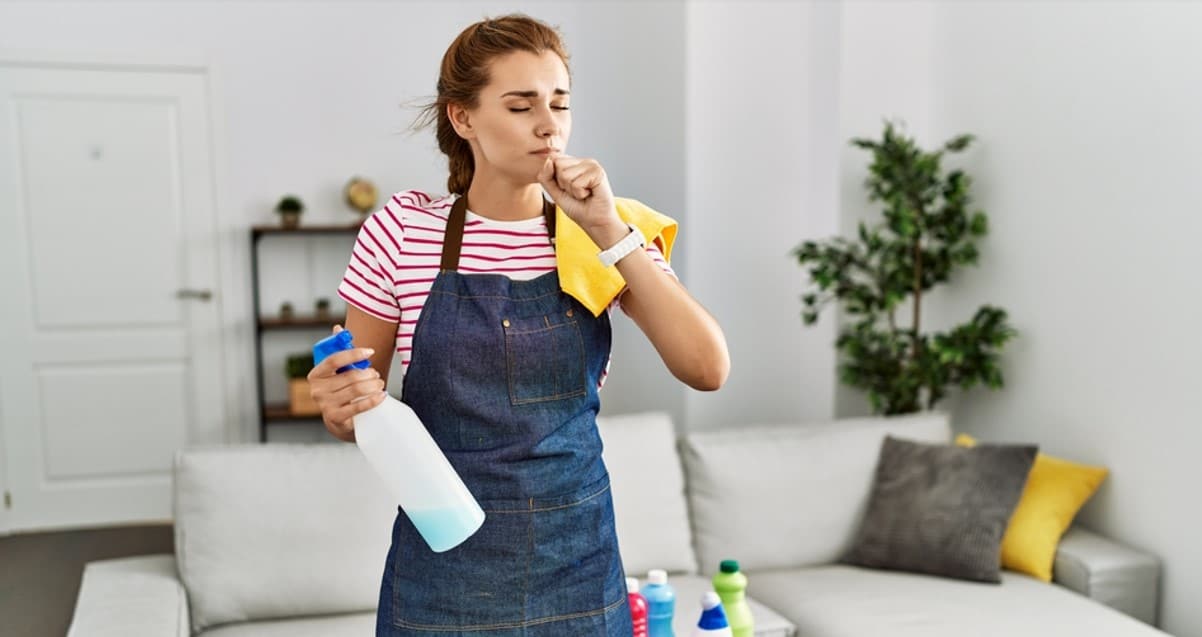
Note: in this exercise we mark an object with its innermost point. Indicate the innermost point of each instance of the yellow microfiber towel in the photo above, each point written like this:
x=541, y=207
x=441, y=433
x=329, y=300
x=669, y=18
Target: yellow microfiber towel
x=580, y=271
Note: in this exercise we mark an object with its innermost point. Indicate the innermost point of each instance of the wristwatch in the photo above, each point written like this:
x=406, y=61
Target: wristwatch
x=628, y=244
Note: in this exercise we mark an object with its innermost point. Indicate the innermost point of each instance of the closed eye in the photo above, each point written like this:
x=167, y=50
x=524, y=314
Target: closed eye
x=523, y=110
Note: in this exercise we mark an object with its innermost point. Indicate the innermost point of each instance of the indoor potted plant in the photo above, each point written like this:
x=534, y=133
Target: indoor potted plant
x=927, y=232
x=290, y=208
x=297, y=366
x=322, y=308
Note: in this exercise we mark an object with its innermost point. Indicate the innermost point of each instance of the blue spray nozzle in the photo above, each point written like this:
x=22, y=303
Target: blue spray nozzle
x=337, y=343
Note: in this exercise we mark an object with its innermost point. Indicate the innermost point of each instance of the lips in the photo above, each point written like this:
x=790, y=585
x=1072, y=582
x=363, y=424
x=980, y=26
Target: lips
x=544, y=151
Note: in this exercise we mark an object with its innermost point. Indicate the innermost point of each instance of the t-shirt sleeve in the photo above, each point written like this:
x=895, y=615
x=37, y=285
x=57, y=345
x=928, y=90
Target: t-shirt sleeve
x=657, y=256
x=368, y=281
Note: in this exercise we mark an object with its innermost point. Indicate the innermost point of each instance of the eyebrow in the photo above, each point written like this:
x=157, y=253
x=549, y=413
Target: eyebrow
x=558, y=91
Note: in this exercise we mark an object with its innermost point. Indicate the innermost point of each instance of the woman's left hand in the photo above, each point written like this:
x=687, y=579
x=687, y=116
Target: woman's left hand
x=581, y=188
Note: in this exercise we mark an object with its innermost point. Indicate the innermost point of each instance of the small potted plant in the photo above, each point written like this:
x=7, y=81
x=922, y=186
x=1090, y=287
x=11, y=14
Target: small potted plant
x=286, y=311
x=297, y=366
x=322, y=308
x=290, y=208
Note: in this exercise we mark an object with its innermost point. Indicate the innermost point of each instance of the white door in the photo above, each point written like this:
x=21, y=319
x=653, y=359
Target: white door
x=109, y=331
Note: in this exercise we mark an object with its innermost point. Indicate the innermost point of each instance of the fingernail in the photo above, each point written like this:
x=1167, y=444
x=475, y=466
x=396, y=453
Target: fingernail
x=369, y=351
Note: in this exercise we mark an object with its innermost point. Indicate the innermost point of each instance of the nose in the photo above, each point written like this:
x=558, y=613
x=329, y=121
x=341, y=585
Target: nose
x=546, y=127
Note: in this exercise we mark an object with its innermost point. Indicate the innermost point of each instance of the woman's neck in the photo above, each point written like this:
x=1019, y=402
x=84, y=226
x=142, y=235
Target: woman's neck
x=500, y=200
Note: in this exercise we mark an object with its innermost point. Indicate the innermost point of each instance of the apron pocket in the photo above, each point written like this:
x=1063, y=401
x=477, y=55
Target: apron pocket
x=575, y=569
x=478, y=585
x=545, y=359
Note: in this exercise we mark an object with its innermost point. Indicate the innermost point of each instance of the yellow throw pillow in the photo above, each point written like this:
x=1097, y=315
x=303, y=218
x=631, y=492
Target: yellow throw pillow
x=1056, y=489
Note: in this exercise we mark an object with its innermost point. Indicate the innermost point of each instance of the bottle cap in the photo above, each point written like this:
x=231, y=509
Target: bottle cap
x=333, y=344
x=712, y=616
x=729, y=566
x=632, y=585
x=657, y=576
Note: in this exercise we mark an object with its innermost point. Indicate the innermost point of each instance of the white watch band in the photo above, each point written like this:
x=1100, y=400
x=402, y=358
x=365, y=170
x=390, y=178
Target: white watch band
x=628, y=244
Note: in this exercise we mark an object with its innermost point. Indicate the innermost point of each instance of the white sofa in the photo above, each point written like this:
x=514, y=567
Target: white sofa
x=275, y=540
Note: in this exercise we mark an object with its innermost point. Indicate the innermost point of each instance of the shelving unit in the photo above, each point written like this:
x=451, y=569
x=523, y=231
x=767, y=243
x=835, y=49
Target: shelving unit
x=270, y=413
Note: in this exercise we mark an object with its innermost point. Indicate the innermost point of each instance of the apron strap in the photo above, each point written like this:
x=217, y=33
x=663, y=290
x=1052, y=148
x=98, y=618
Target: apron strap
x=452, y=241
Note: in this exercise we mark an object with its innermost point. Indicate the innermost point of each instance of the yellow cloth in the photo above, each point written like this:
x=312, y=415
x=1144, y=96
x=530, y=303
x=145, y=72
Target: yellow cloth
x=1056, y=489
x=581, y=273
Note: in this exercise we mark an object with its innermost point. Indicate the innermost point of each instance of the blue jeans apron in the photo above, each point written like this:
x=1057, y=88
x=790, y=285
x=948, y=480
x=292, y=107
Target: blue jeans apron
x=504, y=375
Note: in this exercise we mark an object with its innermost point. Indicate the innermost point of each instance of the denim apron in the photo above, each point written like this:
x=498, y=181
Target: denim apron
x=504, y=375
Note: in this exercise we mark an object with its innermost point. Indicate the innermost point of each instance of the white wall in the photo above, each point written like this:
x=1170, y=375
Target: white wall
x=883, y=54
x=4, y=518
x=1088, y=162
x=310, y=93
x=1088, y=147
x=755, y=191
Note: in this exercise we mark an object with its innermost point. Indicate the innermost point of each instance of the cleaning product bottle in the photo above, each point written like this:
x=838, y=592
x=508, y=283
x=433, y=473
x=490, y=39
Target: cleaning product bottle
x=661, y=601
x=414, y=469
x=731, y=586
x=638, y=607
x=713, y=619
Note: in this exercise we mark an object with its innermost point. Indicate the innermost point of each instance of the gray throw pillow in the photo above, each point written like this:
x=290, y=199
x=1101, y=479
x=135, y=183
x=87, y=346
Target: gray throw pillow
x=941, y=509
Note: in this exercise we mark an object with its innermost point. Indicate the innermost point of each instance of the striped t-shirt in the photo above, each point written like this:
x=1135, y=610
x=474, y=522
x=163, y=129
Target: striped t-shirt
x=399, y=250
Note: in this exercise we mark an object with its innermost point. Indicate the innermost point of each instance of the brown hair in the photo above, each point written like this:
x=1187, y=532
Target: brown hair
x=465, y=72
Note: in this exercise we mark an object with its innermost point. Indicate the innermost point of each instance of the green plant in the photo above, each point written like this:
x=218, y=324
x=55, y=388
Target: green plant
x=290, y=203
x=299, y=365
x=927, y=232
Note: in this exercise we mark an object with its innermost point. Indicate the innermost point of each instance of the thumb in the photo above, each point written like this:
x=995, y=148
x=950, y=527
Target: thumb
x=337, y=328
x=546, y=177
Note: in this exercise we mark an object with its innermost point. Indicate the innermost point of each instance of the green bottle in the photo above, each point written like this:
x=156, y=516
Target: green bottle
x=731, y=586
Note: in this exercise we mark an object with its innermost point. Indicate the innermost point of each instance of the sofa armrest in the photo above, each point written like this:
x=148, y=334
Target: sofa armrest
x=1116, y=575
x=131, y=597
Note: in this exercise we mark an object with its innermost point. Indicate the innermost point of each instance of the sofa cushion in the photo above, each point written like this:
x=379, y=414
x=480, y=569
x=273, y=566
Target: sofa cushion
x=354, y=625
x=648, y=491
x=139, y=595
x=849, y=601
x=279, y=530
x=1056, y=490
x=788, y=495
x=941, y=509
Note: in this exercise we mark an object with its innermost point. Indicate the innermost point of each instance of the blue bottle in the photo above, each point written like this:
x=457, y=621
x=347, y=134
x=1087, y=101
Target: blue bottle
x=661, y=602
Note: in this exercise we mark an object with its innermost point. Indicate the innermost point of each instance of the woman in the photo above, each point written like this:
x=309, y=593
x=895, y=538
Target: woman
x=502, y=365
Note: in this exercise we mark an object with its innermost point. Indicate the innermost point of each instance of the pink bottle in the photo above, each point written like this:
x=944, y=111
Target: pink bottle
x=638, y=607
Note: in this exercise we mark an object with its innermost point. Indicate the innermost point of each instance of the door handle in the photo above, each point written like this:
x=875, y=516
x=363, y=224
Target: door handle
x=200, y=295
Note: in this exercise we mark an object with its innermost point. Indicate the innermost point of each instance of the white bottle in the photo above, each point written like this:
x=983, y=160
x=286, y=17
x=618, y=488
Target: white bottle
x=414, y=469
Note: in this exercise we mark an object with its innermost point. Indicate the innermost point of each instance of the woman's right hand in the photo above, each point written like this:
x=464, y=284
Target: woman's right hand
x=341, y=396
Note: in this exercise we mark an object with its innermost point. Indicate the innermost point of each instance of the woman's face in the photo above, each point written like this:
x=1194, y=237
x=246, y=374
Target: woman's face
x=524, y=109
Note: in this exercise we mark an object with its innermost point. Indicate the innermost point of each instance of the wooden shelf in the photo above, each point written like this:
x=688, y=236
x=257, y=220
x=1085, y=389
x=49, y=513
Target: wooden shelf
x=296, y=322
x=278, y=412
x=259, y=231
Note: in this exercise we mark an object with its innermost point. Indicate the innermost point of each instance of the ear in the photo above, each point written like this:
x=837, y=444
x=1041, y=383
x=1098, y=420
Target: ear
x=461, y=120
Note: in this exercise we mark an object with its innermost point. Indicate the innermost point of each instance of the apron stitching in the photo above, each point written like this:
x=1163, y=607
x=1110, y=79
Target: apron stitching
x=539, y=330
x=493, y=296
x=522, y=624
x=550, y=508
x=529, y=561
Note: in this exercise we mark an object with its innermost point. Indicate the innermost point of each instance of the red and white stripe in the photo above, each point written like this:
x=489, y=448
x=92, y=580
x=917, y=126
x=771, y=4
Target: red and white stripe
x=399, y=249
